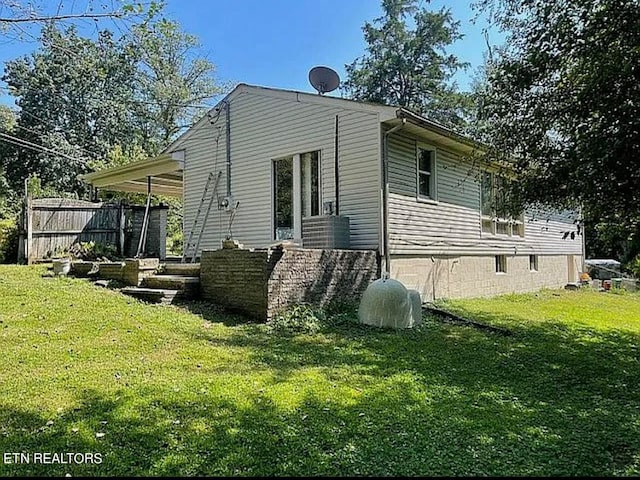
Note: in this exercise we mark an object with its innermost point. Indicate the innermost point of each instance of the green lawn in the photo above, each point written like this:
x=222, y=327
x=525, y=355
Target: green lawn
x=164, y=391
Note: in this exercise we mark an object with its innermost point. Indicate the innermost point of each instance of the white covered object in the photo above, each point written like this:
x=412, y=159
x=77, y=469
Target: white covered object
x=386, y=303
x=416, y=307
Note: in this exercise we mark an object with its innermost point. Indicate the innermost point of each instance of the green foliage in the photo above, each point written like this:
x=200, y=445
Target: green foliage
x=614, y=235
x=8, y=240
x=311, y=320
x=342, y=313
x=96, y=102
x=35, y=189
x=299, y=318
x=409, y=67
x=160, y=391
x=93, y=251
x=563, y=102
x=73, y=95
x=634, y=266
x=173, y=80
x=175, y=241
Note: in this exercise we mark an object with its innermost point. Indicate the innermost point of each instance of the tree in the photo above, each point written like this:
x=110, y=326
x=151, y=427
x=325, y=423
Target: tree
x=81, y=98
x=17, y=16
x=172, y=82
x=564, y=104
x=409, y=67
x=73, y=96
x=7, y=152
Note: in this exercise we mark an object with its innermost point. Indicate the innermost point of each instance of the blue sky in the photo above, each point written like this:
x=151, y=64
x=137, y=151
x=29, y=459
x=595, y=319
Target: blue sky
x=276, y=42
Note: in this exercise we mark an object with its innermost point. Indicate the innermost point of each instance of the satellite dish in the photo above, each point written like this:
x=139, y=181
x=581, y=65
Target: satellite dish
x=323, y=79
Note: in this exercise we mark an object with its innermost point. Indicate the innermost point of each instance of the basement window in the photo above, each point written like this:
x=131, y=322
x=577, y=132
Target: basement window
x=533, y=263
x=501, y=264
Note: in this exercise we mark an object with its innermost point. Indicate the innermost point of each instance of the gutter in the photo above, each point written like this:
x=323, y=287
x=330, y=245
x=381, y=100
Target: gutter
x=385, y=198
x=436, y=127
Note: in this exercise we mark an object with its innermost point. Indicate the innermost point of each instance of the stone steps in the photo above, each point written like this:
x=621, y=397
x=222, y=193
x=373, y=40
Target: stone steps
x=186, y=269
x=166, y=283
x=188, y=286
x=153, y=295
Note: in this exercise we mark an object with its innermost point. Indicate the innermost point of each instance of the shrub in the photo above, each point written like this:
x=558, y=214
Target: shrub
x=8, y=240
x=301, y=318
x=93, y=251
x=308, y=319
x=634, y=266
x=175, y=243
x=342, y=313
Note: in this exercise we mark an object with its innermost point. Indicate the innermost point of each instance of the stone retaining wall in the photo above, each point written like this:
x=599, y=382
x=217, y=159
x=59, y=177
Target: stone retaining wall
x=258, y=283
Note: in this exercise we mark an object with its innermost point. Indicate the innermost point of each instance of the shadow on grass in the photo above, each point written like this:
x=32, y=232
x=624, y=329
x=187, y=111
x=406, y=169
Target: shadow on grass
x=215, y=313
x=443, y=400
x=547, y=401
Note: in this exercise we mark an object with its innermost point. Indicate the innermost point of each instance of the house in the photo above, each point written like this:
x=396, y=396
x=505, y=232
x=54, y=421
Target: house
x=313, y=169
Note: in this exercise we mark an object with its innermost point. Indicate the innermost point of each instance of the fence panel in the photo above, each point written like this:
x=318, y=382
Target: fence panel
x=54, y=224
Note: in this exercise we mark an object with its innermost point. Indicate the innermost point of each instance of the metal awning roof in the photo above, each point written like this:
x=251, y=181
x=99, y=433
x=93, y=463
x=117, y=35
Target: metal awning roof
x=164, y=173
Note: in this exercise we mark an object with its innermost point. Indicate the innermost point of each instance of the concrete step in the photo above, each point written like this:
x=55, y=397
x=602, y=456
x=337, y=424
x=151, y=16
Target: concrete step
x=153, y=295
x=186, y=269
x=189, y=286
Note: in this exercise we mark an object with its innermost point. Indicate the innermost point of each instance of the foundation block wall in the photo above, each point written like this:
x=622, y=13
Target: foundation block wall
x=475, y=276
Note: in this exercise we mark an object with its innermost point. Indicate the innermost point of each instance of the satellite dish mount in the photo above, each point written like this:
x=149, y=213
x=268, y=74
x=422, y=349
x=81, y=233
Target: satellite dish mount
x=324, y=79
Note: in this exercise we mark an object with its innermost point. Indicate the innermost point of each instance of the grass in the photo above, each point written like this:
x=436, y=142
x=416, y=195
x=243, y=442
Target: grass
x=167, y=391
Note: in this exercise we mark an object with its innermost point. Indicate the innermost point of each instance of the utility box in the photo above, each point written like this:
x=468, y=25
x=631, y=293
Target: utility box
x=326, y=231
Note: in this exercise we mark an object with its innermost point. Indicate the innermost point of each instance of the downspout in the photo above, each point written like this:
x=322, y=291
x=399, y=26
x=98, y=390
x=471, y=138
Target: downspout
x=335, y=170
x=228, y=145
x=385, y=198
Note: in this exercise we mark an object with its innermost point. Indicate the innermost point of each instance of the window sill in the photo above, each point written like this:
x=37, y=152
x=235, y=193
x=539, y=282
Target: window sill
x=501, y=273
x=427, y=200
x=501, y=236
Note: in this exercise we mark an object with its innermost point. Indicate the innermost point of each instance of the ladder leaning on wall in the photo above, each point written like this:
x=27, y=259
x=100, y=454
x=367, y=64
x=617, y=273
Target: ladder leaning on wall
x=191, y=247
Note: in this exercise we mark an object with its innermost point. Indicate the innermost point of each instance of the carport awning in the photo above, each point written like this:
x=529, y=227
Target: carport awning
x=163, y=173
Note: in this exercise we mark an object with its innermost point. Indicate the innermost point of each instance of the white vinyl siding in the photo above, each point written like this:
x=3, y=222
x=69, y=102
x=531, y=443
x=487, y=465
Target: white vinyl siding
x=453, y=225
x=265, y=127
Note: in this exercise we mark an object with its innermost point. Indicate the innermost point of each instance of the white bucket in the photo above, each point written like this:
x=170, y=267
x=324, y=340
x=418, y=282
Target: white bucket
x=61, y=266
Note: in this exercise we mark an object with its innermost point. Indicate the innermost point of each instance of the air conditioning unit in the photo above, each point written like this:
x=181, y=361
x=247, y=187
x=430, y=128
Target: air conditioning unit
x=326, y=231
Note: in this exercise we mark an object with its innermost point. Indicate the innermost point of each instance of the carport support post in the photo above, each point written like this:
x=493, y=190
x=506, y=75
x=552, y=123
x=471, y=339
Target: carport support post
x=145, y=221
x=121, y=227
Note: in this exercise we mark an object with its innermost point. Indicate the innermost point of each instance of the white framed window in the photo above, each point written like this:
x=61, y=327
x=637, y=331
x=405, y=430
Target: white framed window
x=296, y=192
x=495, y=219
x=426, y=172
x=501, y=264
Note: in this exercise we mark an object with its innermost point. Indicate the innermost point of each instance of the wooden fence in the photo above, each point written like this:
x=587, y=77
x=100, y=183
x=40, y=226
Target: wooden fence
x=51, y=225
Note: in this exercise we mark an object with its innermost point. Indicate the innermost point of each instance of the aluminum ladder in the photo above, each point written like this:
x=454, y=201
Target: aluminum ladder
x=189, y=246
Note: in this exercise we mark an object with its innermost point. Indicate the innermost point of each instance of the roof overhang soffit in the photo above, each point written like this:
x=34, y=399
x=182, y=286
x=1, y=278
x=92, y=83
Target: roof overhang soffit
x=435, y=132
x=164, y=173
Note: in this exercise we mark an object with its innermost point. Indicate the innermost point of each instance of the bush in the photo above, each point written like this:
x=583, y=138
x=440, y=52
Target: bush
x=175, y=243
x=634, y=266
x=8, y=241
x=308, y=319
x=299, y=318
x=93, y=251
